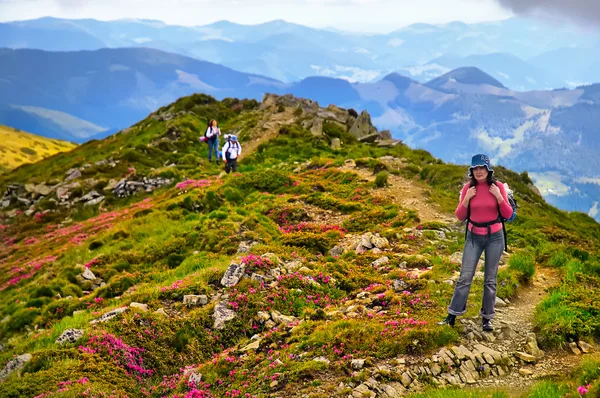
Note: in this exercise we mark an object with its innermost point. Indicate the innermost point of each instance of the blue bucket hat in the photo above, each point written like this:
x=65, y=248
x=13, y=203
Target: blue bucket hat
x=233, y=138
x=480, y=160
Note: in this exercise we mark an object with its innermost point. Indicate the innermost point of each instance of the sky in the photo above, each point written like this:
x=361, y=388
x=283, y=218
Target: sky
x=377, y=16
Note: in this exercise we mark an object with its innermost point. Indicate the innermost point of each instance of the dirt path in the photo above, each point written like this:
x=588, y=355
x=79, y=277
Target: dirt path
x=513, y=323
x=409, y=195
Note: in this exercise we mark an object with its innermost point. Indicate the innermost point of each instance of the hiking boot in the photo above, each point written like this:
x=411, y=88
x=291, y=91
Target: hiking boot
x=487, y=325
x=450, y=319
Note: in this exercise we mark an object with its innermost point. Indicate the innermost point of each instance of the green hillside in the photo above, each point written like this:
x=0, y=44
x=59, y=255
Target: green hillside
x=134, y=267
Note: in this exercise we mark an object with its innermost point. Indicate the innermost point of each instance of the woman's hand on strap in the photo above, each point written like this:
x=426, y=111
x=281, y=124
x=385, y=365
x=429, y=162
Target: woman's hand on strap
x=494, y=190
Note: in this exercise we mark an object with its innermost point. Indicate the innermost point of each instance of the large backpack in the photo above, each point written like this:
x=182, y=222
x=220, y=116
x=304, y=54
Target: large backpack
x=513, y=203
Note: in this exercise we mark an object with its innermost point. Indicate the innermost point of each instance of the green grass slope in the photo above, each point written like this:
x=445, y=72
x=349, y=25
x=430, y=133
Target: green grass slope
x=292, y=201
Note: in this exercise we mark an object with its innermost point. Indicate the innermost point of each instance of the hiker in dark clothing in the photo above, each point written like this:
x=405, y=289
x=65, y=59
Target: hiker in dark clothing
x=483, y=204
x=231, y=151
x=212, y=138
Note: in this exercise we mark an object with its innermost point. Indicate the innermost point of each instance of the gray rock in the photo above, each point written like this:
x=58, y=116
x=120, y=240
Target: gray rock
x=222, y=314
x=525, y=372
x=406, y=379
x=380, y=261
x=585, y=347
x=5, y=203
x=192, y=300
x=357, y=364
x=233, y=275
x=88, y=274
x=574, y=348
x=94, y=202
x=195, y=379
x=399, y=285
x=139, y=306
x=500, y=303
x=70, y=336
x=317, y=127
x=322, y=359
x=362, y=126
x=525, y=357
x=109, y=315
x=161, y=311
x=73, y=174
x=14, y=365
x=336, y=143
x=531, y=346
x=336, y=251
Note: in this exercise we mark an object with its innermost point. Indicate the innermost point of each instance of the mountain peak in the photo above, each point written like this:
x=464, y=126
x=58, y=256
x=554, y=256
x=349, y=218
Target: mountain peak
x=466, y=75
x=400, y=81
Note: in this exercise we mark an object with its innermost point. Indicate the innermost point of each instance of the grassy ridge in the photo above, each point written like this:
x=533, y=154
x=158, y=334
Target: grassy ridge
x=18, y=147
x=154, y=248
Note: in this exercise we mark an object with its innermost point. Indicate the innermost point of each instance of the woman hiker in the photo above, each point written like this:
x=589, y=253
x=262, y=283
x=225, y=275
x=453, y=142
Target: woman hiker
x=483, y=201
x=212, y=135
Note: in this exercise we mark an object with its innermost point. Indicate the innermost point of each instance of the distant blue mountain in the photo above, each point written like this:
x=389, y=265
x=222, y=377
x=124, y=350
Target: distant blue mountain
x=507, y=50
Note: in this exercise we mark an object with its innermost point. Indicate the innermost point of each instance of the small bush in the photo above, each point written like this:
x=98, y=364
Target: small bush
x=29, y=151
x=559, y=259
x=381, y=180
x=43, y=291
x=95, y=245
x=174, y=260
x=524, y=264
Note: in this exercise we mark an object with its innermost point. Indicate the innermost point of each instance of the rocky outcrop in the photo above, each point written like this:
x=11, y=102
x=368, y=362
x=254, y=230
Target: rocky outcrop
x=70, y=336
x=128, y=187
x=14, y=365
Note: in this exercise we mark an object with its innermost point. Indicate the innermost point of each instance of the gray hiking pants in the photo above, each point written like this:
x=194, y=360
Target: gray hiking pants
x=493, y=245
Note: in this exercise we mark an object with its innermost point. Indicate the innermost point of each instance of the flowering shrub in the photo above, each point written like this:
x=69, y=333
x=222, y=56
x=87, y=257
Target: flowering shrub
x=189, y=184
x=255, y=263
x=306, y=227
x=128, y=357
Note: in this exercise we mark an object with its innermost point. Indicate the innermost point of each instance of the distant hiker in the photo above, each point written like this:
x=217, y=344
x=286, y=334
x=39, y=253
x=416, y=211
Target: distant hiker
x=484, y=205
x=212, y=138
x=231, y=151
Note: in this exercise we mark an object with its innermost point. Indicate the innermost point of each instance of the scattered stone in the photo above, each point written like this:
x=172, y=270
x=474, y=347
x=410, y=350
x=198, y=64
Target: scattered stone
x=525, y=357
x=139, y=306
x=574, y=348
x=350, y=163
x=399, y=285
x=252, y=346
x=193, y=300
x=322, y=359
x=15, y=365
x=70, y=336
x=233, y=275
x=88, y=274
x=531, y=346
x=222, y=314
x=358, y=364
x=336, y=143
x=337, y=251
x=500, y=303
x=195, y=379
x=274, y=384
x=585, y=347
x=525, y=372
x=381, y=261
x=73, y=174
x=108, y=316
x=161, y=311
x=405, y=379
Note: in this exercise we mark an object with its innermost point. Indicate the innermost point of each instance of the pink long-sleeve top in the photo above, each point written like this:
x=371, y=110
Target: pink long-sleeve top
x=484, y=208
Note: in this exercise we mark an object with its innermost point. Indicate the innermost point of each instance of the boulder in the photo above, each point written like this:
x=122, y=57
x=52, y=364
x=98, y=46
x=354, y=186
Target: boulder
x=222, y=314
x=233, y=275
x=139, y=306
x=70, y=336
x=88, y=274
x=531, y=346
x=362, y=126
x=109, y=315
x=357, y=364
x=336, y=143
x=14, y=365
x=73, y=174
x=337, y=251
x=317, y=127
x=192, y=300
